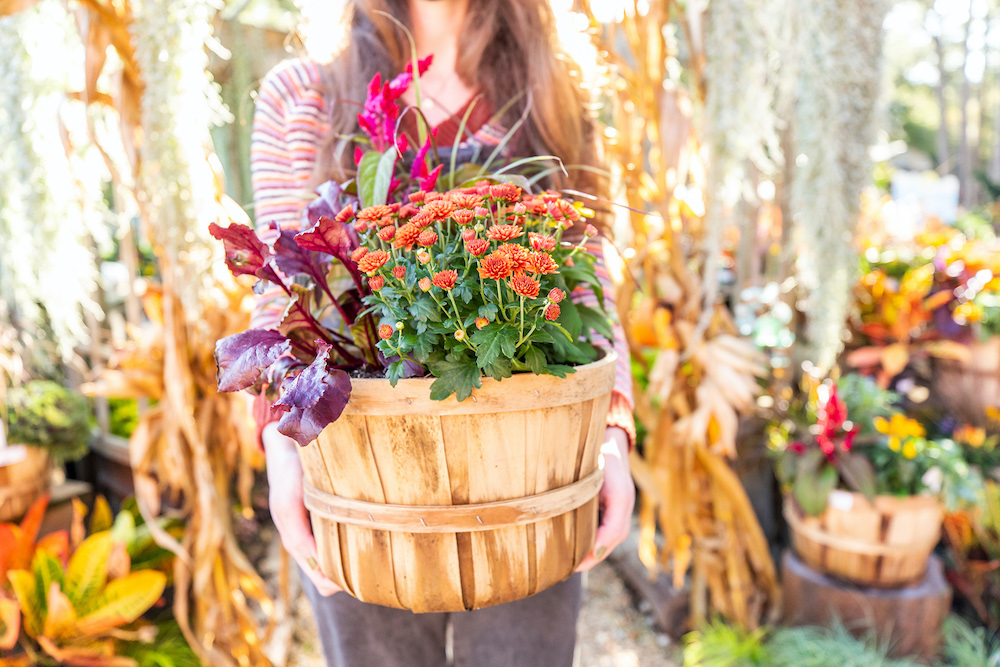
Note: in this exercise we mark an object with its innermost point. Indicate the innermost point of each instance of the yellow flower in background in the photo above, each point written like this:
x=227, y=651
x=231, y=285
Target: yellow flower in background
x=900, y=426
x=894, y=443
x=909, y=449
x=970, y=435
x=993, y=412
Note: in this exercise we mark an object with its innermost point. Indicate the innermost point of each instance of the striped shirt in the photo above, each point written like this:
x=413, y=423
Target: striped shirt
x=289, y=125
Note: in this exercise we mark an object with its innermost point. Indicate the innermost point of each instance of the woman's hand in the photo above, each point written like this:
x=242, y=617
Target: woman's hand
x=288, y=509
x=617, y=498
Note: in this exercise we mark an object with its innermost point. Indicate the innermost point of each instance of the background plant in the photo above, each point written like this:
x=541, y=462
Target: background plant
x=45, y=414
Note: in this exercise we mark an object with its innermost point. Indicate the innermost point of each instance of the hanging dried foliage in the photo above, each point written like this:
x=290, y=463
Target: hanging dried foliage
x=701, y=376
x=194, y=444
x=832, y=69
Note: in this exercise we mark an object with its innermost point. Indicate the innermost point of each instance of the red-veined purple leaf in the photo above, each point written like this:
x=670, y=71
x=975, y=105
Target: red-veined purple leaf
x=242, y=356
x=245, y=253
x=328, y=236
x=314, y=398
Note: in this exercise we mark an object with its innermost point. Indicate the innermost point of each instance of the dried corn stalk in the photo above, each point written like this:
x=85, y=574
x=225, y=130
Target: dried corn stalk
x=702, y=376
x=192, y=444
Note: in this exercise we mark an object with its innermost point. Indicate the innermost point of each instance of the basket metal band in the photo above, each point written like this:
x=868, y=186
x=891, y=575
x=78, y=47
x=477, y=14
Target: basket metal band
x=453, y=518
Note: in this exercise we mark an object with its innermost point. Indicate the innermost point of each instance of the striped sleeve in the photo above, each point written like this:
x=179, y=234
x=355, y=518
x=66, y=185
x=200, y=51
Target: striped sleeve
x=620, y=413
x=287, y=126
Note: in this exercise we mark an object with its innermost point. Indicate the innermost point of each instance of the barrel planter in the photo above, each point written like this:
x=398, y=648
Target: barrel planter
x=967, y=388
x=447, y=506
x=25, y=474
x=880, y=544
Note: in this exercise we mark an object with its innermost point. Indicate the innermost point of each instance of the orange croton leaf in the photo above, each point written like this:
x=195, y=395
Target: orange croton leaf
x=94, y=654
x=60, y=619
x=57, y=544
x=25, y=536
x=936, y=300
x=10, y=623
x=894, y=359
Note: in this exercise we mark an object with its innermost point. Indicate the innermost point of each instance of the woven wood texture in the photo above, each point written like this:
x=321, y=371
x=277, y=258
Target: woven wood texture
x=23, y=481
x=522, y=437
x=884, y=544
x=968, y=388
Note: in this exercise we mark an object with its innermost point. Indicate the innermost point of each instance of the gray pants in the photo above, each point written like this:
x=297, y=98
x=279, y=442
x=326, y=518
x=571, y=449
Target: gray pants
x=539, y=631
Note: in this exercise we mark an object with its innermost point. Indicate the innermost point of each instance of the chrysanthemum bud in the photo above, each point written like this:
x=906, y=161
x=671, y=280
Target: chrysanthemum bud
x=482, y=212
x=400, y=326
x=385, y=331
x=460, y=335
x=590, y=230
x=375, y=283
x=520, y=208
x=481, y=322
x=399, y=272
x=556, y=295
x=423, y=257
x=468, y=234
x=425, y=284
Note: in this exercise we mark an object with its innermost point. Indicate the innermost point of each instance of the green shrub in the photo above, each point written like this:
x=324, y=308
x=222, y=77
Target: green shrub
x=46, y=414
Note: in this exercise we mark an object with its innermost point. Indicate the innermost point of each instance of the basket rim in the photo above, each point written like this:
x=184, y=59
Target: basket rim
x=521, y=391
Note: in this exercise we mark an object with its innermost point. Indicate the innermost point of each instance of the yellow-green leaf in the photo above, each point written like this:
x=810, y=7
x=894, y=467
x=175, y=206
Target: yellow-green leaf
x=87, y=570
x=101, y=518
x=90, y=654
x=61, y=617
x=23, y=583
x=10, y=623
x=47, y=570
x=123, y=601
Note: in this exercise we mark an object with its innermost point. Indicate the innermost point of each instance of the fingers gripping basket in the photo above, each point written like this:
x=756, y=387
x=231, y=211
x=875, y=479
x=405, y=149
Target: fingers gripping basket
x=445, y=505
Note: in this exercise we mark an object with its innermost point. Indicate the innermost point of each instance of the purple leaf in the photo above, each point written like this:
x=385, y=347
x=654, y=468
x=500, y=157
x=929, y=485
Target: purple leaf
x=297, y=322
x=328, y=236
x=328, y=203
x=314, y=398
x=245, y=253
x=242, y=356
x=292, y=258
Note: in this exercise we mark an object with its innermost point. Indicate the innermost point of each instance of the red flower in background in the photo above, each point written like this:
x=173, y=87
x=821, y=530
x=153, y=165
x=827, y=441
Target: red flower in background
x=381, y=112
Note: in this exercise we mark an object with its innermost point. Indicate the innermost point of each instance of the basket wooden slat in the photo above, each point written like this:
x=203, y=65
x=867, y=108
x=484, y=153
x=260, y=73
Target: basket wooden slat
x=967, y=388
x=882, y=544
x=515, y=442
x=23, y=480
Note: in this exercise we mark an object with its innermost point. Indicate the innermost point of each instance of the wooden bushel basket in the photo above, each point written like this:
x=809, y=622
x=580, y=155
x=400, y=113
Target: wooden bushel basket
x=446, y=506
x=25, y=474
x=967, y=388
x=884, y=544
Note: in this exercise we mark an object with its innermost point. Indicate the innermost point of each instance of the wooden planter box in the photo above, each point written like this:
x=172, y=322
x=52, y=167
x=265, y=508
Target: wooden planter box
x=967, y=388
x=884, y=544
x=25, y=474
x=446, y=506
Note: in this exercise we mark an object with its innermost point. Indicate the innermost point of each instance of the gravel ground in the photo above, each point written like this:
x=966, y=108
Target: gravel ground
x=611, y=631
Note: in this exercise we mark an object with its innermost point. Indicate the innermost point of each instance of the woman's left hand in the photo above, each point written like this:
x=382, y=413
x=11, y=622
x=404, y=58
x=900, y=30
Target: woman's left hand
x=617, y=498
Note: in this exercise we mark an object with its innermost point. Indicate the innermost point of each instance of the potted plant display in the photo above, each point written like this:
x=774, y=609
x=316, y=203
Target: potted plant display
x=864, y=485
x=46, y=424
x=440, y=371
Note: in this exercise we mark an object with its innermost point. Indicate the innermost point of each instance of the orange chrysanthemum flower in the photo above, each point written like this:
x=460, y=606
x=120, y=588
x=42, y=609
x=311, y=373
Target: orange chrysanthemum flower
x=373, y=213
x=541, y=242
x=482, y=213
x=524, y=286
x=427, y=238
x=445, y=279
x=345, y=214
x=481, y=322
x=387, y=233
x=556, y=295
x=540, y=263
x=496, y=265
x=468, y=234
x=385, y=331
x=399, y=272
x=463, y=216
x=373, y=261
x=384, y=221
x=571, y=212
x=505, y=191
x=466, y=200
x=552, y=312
x=361, y=226
x=439, y=209
x=418, y=197
x=518, y=255
x=504, y=232
x=477, y=247
x=422, y=220
x=359, y=253
x=375, y=283
x=406, y=235
x=408, y=210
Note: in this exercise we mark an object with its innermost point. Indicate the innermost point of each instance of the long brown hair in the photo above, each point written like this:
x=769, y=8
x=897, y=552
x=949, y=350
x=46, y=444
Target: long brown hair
x=508, y=50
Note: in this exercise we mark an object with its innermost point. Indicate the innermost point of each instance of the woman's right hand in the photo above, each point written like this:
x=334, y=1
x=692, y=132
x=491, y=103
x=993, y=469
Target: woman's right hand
x=288, y=509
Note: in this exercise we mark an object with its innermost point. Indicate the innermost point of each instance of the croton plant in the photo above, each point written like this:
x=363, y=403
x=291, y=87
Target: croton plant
x=389, y=277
